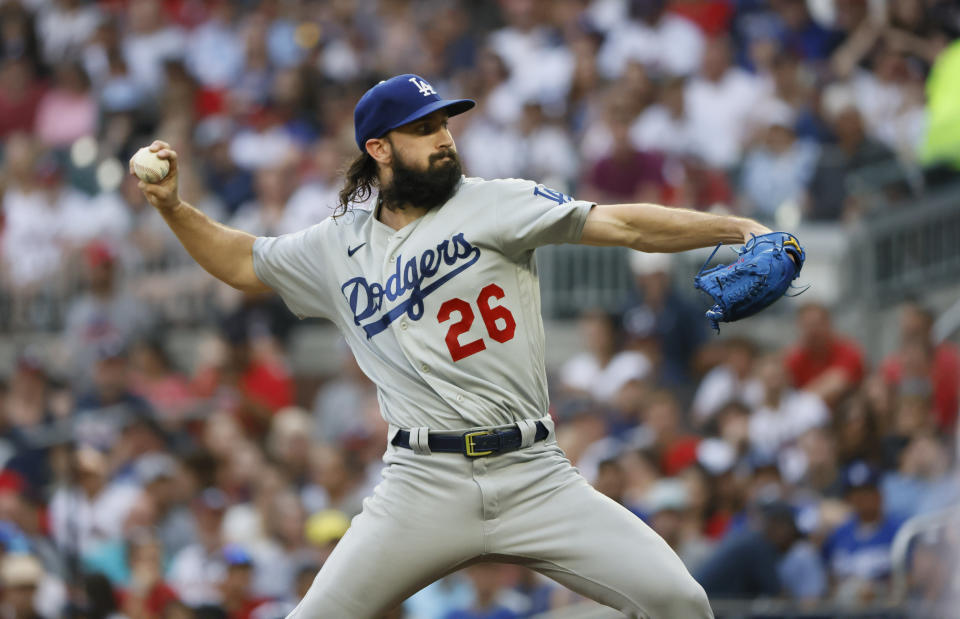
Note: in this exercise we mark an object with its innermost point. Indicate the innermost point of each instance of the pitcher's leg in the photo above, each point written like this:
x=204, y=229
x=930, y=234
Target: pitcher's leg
x=589, y=543
x=410, y=533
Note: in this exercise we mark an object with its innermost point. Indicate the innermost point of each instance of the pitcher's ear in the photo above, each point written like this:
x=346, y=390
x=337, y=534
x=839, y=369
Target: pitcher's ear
x=380, y=149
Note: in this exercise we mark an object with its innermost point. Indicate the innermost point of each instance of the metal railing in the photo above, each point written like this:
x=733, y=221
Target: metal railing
x=577, y=277
x=909, y=249
x=188, y=296
x=896, y=252
x=935, y=523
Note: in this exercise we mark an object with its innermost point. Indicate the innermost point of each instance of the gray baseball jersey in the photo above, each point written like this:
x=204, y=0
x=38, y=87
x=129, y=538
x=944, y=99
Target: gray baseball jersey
x=444, y=314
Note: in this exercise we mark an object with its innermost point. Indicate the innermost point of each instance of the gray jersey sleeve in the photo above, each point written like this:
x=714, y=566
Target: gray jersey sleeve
x=293, y=265
x=531, y=215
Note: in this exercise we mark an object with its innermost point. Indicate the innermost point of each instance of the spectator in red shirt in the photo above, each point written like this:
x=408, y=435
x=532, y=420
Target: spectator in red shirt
x=148, y=595
x=919, y=359
x=823, y=362
x=236, y=585
x=677, y=449
x=625, y=174
x=20, y=94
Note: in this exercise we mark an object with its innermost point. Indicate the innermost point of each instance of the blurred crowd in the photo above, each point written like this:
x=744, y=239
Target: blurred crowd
x=785, y=110
x=136, y=483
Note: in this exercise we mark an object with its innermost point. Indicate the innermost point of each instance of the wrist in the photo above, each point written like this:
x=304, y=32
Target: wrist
x=172, y=207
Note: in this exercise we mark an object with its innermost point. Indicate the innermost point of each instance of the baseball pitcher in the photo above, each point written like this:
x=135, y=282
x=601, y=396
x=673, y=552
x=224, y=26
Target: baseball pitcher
x=435, y=289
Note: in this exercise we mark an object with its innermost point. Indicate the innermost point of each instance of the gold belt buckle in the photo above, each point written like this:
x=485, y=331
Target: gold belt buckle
x=468, y=439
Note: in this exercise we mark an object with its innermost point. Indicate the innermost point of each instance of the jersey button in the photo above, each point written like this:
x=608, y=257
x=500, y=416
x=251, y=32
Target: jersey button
x=403, y=326
x=425, y=368
x=459, y=397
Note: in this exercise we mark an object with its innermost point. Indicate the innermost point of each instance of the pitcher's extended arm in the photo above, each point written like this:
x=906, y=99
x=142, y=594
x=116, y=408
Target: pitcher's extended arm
x=225, y=253
x=661, y=229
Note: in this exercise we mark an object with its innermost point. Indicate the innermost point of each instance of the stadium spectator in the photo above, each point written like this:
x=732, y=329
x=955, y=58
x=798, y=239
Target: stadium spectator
x=104, y=315
x=664, y=126
x=20, y=96
x=91, y=509
x=63, y=26
x=668, y=513
x=626, y=174
x=546, y=149
x=602, y=369
x=924, y=471
x=21, y=576
x=858, y=552
x=267, y=214
x=823, y=362
x=719, y=102
x=937, y=363
x=745, y=564
x=34, y=202
x=704, y=104
x=346, y=391
x=777, y=170
x=676, y=448
x=732, y=380
x=196, y=572
x=68, y=110
x=149, y=42
x=835, y=185
x=236, y=587
x=822, y=474
x=783, y=414
x=661, y=322
x=487, y=582
x=665, y=42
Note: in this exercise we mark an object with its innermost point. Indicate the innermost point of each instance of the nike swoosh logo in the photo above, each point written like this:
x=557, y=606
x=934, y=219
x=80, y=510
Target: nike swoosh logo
x=353, y=250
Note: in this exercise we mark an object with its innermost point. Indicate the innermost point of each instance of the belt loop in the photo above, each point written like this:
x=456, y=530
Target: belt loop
x=419, y=441
x=528, y=432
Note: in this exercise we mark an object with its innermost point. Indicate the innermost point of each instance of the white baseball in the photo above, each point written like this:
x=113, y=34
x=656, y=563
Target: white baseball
x=148, y=167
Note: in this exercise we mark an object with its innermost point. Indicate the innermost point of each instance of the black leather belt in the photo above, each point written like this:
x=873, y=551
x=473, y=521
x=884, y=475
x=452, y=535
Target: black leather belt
x=474, y=444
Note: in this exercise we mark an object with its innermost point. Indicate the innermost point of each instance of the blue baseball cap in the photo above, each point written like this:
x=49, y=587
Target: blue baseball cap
x=860, y=475
x=398, y=101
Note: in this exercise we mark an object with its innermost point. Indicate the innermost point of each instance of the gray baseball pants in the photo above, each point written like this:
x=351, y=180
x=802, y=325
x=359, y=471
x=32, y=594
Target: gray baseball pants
x=434, y=514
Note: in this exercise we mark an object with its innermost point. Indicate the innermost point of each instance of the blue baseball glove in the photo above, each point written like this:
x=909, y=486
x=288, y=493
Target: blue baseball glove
x=761, y=275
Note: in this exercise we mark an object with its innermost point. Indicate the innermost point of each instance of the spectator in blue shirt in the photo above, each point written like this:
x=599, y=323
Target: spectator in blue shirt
x=486, y=579
x=858, y=552
x=746, y=563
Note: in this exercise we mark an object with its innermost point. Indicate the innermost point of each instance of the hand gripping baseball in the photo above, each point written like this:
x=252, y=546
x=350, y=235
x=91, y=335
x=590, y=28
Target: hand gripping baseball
x=163, y=194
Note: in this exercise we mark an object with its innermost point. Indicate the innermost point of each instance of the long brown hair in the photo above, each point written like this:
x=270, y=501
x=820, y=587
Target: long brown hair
x=361, y=181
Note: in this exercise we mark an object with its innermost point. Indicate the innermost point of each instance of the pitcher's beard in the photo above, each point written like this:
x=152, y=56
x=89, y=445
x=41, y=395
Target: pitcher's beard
x=428, y=188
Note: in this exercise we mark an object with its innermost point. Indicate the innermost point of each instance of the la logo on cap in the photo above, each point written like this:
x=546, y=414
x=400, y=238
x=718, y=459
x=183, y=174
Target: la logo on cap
x=425, y=89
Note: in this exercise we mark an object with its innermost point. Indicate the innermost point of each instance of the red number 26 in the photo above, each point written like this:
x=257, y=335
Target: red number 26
x=498, y=320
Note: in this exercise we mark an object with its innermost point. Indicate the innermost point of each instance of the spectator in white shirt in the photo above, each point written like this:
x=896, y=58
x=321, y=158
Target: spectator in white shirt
x=64, y=26
x=267, y=214
x=93, y=510
x=664, y=42
x=539, y=69
x=664, y=126
x=214, y=52
x=196, y=572
x=733, y=380
x=149, y=42
x=602, y=370
x=783, y=414
x=776, y=170
x=547, y=151
x=316, y=194
x=32, y=240
x=719, y=104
